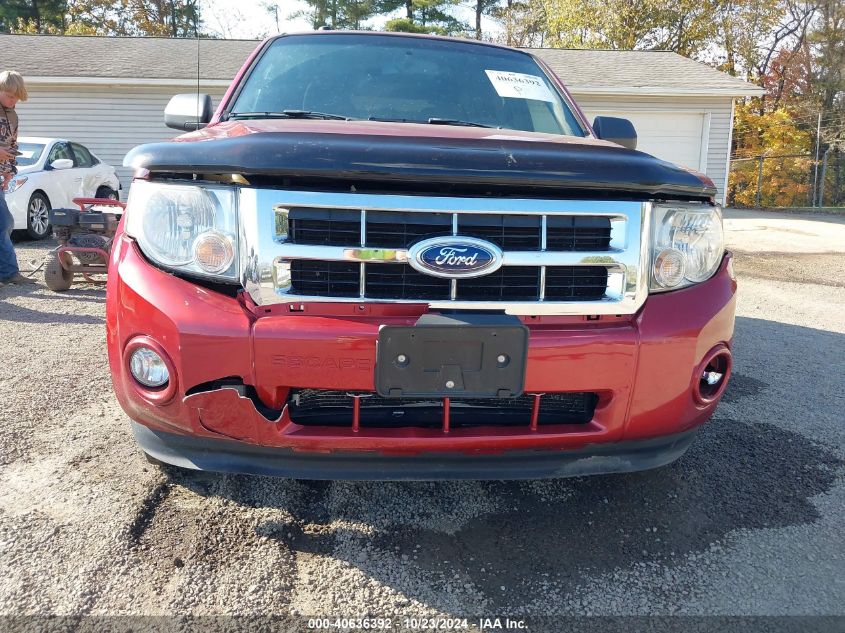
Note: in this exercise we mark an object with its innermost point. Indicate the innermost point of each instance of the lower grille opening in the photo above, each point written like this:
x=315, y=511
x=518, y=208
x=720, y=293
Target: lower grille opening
x=317, y=407
x=401, y=282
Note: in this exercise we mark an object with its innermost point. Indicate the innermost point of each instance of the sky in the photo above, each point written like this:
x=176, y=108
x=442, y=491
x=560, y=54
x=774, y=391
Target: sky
x=247, y=19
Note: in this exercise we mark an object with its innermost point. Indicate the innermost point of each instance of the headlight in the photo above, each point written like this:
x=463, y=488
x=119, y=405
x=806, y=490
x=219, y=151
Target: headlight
x=186, y=227
x=687, y=245
x=16, y=183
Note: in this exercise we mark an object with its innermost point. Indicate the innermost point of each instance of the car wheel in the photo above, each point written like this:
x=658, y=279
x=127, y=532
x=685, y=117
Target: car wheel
x=38, y=216
x=55, y=276
x=106, y=192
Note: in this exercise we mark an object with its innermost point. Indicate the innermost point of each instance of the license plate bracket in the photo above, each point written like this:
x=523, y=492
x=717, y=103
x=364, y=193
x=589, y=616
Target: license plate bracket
x=455, y=356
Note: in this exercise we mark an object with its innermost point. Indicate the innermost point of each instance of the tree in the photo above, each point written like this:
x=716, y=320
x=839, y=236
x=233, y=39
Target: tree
x=174, y=18
x=789, y=81
x=96, y=17
x=422, y=16
x=338, y=14
x=684, y=26
x=786, y=173
x=482, y=8
x=828, y=45
x=524, y=22
x=32, y=16
x=757, y=33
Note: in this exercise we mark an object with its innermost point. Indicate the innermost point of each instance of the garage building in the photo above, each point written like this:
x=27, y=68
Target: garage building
x=109, y=93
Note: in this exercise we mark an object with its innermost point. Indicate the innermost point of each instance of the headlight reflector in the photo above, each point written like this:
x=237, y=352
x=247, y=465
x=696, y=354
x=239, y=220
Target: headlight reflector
x=187, y=228
x=687, y=245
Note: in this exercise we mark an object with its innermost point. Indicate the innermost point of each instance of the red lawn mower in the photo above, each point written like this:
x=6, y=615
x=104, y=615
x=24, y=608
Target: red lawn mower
x=85, y=237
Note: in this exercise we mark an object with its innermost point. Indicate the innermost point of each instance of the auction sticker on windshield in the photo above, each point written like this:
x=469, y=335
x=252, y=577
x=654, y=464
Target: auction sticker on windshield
x=520, y=85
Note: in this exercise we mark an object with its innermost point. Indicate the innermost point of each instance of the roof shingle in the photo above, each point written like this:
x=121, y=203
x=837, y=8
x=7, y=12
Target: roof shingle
x=152, y=58
x=587, y=70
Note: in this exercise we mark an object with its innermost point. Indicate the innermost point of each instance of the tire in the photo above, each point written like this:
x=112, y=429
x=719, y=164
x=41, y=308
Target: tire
x=38, y=216
x=56, y=277
x=106, y=192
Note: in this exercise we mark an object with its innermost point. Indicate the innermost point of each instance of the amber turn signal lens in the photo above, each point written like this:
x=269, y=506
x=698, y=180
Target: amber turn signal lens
x=669, y=268
x=213, y=252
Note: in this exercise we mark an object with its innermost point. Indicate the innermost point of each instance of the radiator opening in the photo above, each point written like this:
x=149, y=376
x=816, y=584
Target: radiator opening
x=317, y=407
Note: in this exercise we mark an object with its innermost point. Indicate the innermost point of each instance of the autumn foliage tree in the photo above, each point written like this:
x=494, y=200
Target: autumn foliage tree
x=795, y=49
x=171, y=18
x=774, y=141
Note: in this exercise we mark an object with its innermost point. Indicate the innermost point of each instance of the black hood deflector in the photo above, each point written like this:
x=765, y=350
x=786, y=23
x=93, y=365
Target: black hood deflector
x=582, y=169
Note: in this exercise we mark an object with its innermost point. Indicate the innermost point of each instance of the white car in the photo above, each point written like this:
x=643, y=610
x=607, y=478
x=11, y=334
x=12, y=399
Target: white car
x=51, y=173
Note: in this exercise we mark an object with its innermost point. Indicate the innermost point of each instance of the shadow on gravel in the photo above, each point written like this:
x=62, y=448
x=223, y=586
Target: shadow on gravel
x=14, y=312
x=519, y=535
x=89, y=295
x=735, y=476
x=10, y=312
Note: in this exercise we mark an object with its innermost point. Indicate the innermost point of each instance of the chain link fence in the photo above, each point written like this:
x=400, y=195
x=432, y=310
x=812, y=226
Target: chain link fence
x=788, y=181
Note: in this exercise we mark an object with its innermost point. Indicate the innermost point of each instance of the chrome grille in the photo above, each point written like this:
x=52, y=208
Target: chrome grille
x=559, y=257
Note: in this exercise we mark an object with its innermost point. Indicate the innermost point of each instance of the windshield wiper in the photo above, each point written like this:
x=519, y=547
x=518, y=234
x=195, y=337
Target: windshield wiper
x=437, y=121
x=289, y=114
x=431, y=121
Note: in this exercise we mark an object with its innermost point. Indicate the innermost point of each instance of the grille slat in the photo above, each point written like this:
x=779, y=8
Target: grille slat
x=571, y=282
x=387, y=229
x=324, y=227
x=399, y=281
x=508, y=232
x=325, y=279
x=341, y=227
x=512, y=283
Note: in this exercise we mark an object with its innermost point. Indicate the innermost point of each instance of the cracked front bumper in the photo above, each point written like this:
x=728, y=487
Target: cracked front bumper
x=643, y=367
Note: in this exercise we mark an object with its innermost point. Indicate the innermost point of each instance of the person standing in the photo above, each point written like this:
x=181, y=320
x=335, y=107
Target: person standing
x=12, y=90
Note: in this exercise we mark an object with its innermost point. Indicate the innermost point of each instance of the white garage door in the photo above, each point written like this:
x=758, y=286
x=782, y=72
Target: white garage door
x=679, y=137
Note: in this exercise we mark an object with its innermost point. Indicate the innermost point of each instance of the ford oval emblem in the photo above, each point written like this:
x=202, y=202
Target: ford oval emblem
x=455, y=257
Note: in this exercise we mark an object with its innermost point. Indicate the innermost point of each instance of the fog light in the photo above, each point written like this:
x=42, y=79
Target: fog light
x=669, y=268
x=712, y=375
x=213, y=252
x=148, y=368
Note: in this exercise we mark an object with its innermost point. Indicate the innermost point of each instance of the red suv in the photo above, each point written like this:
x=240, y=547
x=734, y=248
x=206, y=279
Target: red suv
x=389, y=256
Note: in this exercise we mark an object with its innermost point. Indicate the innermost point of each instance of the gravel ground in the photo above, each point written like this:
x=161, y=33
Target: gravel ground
x=749, y=522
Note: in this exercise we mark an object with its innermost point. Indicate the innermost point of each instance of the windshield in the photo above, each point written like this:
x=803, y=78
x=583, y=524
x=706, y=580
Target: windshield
x=29, y=154
x=391, y=78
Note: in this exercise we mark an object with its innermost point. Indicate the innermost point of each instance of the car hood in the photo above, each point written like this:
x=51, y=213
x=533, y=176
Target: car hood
x=28, y=169
x=467, y=157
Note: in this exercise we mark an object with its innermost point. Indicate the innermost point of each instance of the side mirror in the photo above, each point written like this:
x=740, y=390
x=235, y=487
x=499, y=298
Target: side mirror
x=61, y=163
x=188, y=111
x=619, y=131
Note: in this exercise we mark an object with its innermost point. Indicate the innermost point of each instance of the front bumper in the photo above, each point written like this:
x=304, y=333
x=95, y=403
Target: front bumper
x=644, y=368
x=17, y=203
x=201, y=453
